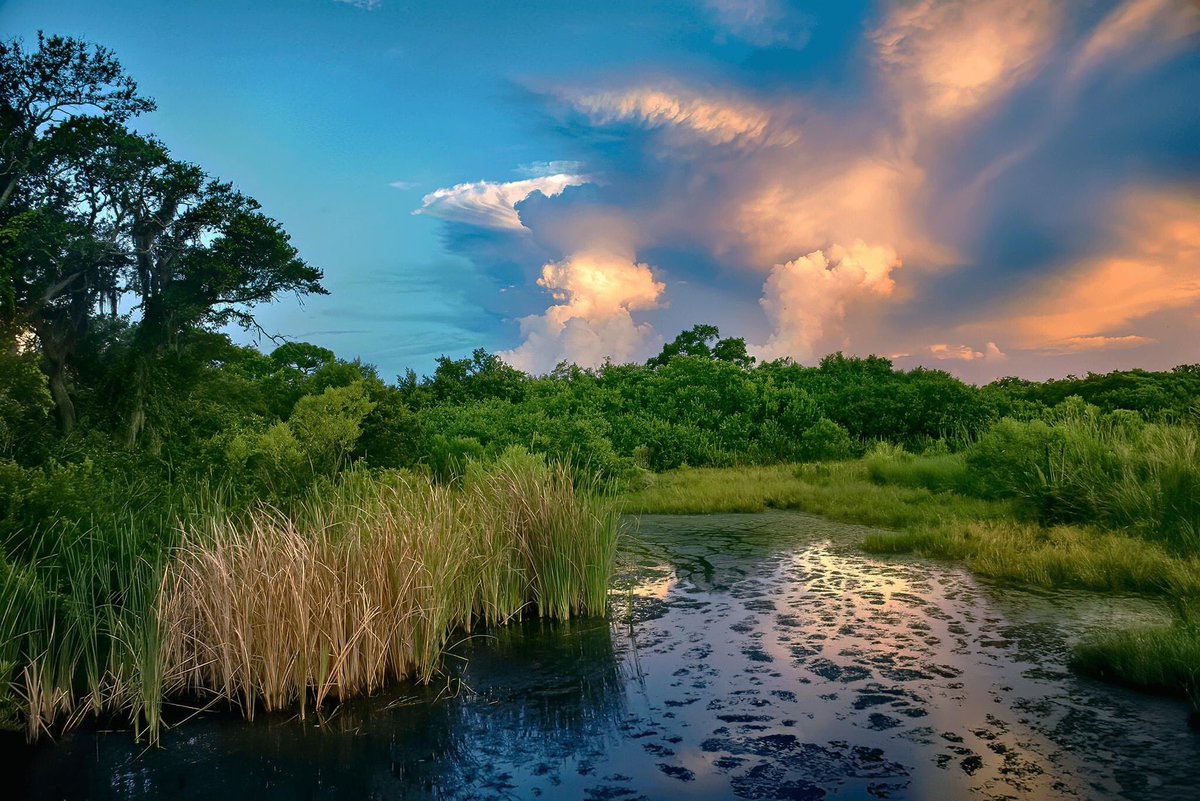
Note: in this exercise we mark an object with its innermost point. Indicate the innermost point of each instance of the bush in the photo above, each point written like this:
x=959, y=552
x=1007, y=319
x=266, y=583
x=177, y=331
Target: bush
x=1013, y=460
x=26, y=421
x=316, y=440
x=825, y=440
x=449, y=457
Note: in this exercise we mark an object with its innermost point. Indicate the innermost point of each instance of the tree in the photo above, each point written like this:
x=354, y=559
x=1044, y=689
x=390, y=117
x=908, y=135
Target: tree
x=695, y=342
x=64, y=252
x=44, y=90
x=91, y=212
x=203, y=256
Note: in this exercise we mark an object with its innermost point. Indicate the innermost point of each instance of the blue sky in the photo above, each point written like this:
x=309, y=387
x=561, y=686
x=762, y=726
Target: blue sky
x=992, y=187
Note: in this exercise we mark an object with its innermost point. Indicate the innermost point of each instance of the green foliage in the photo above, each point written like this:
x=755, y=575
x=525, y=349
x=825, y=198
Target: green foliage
x=315, y=441
x=825, y=440
x=26, y=426
x=704, y=341
x=1083, y=465
x=1013, y=459
x=449, y=457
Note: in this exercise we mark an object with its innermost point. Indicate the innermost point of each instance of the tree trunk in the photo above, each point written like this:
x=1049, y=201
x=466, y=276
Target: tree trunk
x=137, y=414
x=54, y=364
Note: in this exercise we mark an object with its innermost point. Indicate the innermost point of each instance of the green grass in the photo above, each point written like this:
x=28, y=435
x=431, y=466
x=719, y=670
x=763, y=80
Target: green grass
x=837, y=490
x=1165, y=658
x=994, y=538
x=939, y=473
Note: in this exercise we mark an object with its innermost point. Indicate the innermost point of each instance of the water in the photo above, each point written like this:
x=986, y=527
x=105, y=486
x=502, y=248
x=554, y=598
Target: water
x=749, y=656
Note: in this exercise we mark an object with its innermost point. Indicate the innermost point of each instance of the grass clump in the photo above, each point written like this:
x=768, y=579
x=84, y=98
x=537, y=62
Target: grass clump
x=890, y=464
x=359, y=582
x=1164, y=658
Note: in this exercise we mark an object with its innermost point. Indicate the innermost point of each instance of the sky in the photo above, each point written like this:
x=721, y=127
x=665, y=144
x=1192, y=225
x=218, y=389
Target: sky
x=996, y=187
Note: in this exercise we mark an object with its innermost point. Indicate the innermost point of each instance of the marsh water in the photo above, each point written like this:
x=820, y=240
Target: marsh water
x=748, y=656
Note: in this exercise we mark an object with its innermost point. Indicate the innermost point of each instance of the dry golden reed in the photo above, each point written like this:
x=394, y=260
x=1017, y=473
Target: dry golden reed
x=360, y=584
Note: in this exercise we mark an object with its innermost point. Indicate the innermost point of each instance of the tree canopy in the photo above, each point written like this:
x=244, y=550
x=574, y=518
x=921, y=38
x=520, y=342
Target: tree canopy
x=109, y=244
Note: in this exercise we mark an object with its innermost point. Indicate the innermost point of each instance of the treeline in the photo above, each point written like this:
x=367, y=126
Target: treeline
x=272, y=423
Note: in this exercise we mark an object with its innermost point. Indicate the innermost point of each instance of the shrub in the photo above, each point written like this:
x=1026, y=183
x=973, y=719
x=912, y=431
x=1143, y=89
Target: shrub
x=1013, y=459
x=825, y=440
x=316, y=440
x=449, y=456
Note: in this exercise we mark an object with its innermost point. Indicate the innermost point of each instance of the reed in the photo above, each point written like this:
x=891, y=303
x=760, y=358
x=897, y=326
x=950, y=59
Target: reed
x=359, y=583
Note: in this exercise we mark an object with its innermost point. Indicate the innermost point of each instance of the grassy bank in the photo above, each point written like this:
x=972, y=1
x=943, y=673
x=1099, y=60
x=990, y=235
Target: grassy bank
x=1000, y=539
x=358, y=583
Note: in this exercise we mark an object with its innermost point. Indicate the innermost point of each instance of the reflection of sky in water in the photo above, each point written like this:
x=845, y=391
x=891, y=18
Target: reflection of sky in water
x=751, y=656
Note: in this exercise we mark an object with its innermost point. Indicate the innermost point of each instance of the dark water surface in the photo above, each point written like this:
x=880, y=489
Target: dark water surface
x=749, y=656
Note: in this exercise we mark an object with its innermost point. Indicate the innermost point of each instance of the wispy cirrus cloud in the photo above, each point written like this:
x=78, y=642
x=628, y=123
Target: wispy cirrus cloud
x=1079, y=344
x=362, y=5
x=686, y=115
x=1155, y=28
x=762, y=23
x=543, y=169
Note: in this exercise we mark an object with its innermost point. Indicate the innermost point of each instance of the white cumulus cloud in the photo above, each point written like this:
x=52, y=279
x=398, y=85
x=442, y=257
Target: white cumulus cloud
x=489, y=204
x=806, y=299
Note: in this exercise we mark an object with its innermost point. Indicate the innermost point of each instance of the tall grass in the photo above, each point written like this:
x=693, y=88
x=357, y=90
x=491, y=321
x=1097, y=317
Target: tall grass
x=1165, y=658
x=1114, y=471
x=890, y=464
x=358, y=584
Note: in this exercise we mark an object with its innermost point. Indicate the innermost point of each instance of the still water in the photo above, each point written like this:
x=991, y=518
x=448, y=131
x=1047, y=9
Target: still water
x=748, y=656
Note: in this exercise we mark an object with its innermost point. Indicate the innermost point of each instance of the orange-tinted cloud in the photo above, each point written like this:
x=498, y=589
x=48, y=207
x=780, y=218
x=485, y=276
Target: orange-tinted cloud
x=946, y=60
x=1078, y=344
x=813, y=199
x=1154, y=27
x=806, y=299
x=943, y=352
x=591, y=321
x=1155, y=267
x=706, y=118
